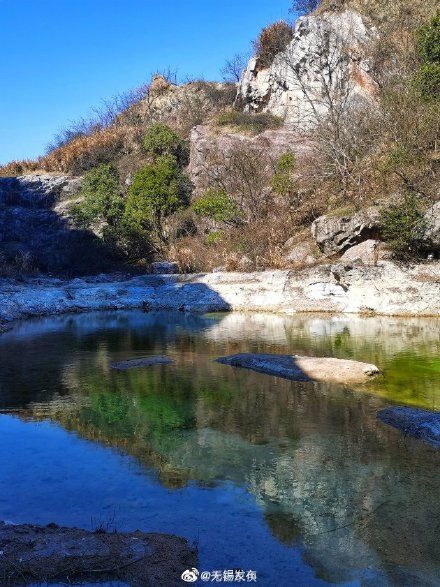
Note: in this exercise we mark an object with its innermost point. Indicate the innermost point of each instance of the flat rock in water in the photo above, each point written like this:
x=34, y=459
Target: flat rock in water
x=300, y=368
x=143, y=362
x=40, y=554
x=421, y=424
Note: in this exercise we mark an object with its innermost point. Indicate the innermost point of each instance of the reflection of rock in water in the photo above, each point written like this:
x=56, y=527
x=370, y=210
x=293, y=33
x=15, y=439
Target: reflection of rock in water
x=327, y=475
x=284, y=527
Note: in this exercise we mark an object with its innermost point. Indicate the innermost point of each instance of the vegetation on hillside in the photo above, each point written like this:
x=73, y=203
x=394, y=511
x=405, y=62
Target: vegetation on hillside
x=134, y=151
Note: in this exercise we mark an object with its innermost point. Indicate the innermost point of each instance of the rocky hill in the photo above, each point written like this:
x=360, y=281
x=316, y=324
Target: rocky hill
x=327, y=146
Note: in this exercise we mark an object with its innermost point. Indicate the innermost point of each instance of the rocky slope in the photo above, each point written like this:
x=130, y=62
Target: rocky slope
x=327, y=65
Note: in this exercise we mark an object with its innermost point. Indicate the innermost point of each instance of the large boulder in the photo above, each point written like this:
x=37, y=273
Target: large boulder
x=326, y=58
x=369, y=253
x=300, y=254
x=336, y=234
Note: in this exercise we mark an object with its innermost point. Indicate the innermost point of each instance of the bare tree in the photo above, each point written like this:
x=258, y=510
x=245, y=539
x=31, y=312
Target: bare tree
x=323, y=89
x=244, y=172
x=113, y=110
x=233, y=68
x=304, y=6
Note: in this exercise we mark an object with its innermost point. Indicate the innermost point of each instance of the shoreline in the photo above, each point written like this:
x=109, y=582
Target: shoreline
x=384, y=290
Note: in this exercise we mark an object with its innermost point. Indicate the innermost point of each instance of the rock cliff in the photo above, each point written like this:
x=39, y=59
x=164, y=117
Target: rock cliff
x=326, y=62
x=35, y=229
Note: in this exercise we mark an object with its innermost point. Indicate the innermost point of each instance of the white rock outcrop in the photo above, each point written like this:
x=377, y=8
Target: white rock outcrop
x=386, y=289
x=326, y=62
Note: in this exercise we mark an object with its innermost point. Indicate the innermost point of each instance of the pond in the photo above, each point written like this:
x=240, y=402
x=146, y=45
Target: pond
x=298, y=482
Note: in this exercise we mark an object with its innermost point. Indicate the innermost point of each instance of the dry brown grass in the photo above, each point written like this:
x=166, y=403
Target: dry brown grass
x=272, y=40
x=15, y=168
x=85, y=152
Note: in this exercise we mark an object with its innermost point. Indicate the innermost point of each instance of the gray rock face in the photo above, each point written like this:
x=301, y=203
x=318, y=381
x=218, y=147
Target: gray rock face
x=210, y=150
x=34, y=220
x=304, y=368
x=387, y=289
x=413, y=422
x=432, y=232
x=326, y=56
x=36, y=191
x=336, y=234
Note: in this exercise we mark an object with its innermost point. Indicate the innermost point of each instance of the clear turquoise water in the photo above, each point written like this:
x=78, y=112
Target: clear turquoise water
x=297, y=481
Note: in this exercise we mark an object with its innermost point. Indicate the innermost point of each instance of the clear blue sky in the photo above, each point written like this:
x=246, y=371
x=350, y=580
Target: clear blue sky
x=59, y=58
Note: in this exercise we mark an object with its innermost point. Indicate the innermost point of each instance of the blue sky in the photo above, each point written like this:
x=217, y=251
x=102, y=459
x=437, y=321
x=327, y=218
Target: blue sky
x=60, y=58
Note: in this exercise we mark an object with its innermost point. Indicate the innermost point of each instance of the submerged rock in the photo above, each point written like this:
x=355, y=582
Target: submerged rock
x=421, y=424
x=304, y=368
x=143, y=362
x=35, y=554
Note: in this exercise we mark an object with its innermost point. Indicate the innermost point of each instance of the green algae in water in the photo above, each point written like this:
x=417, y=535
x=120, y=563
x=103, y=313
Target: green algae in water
x=411, y=379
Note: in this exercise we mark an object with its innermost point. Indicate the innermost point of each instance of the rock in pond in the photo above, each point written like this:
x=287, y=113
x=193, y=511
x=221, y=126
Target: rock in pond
x=142, y=362
x=304, y=368
x=46, y=554
x=421, y=424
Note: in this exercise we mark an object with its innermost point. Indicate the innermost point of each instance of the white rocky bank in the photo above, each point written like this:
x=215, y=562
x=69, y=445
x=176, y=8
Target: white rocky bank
x=386, y=289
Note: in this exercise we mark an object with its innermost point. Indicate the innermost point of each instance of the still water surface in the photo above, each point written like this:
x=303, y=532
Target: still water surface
x=296, y=481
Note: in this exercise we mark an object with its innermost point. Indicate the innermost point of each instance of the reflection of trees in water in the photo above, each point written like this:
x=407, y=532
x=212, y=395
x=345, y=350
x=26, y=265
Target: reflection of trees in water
x=324, y=471
x=313, y=455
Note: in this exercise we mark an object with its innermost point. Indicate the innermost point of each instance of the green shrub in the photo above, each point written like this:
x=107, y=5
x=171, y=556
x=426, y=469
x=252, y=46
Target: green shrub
x=428, y=41
x=403, y=226
x=247, y=122
x=283, y=181
x=158, y=190
x=216, y=205
x=427, y=81
x=213, y=237
x=160, y=140
x=102, y=201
